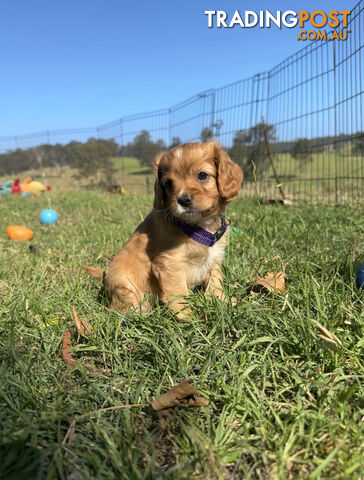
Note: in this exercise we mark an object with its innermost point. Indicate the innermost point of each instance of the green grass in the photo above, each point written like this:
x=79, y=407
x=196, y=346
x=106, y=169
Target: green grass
x=328, y=178
x=283, y=404
x=131, y=166
x=324, y=165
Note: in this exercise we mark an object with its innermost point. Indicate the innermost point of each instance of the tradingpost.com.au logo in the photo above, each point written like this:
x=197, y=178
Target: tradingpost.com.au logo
x=306, y=21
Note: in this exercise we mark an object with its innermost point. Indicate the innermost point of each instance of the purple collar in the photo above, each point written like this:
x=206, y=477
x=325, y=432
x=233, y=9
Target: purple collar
x=200, y=235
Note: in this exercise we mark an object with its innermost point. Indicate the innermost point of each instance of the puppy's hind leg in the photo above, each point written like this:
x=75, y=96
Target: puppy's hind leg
x=126, y=297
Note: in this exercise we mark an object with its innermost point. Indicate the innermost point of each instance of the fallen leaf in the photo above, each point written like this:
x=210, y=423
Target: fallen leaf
x=273, y=282
x=82, y=326
x=174, y=396
x=67, y=357
x=182, y=395
x=66, y=345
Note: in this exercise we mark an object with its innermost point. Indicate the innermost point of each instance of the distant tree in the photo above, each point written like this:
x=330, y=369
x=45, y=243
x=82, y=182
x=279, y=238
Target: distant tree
x=15, y=161
x=250, y=152
x=301, y=151
x=39, y=154
x=93, y=157
x=358, y=147
x=258, y=162
x=144, y=149
x=206, y=134
x=175, y=141
x=239, y=150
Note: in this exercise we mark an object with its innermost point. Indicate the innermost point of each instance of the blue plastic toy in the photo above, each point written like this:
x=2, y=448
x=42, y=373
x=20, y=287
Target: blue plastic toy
x=6, y=188
x=48, y=216
x=8, y=184
x=25, y=194
x=360, y=277
x=5, y=191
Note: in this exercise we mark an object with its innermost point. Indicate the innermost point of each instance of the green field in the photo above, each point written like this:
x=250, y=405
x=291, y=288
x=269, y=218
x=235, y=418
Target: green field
x=326, y=179
x=129, y=174
x=283, y=402
x=323, y=165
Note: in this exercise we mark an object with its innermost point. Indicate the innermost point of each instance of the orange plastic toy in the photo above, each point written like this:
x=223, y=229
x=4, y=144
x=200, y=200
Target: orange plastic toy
x=18, y=232
x=25, y=187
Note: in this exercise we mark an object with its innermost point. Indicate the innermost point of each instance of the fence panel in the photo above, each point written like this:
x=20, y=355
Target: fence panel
x=240, y=106
x=124, y=130
x=187, y=119
x=313, y=99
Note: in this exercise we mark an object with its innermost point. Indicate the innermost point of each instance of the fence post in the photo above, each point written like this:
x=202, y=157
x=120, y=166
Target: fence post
x=121, y=131
x=254, y=101
x=121, y=144
x=147, y=185
x=268, y=99
x=213, y=110
x=169, y=128
x=335, y=123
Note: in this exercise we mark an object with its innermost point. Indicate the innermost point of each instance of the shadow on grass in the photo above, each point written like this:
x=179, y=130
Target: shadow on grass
x=102, y=297
x=146, y=171
x=19, y=460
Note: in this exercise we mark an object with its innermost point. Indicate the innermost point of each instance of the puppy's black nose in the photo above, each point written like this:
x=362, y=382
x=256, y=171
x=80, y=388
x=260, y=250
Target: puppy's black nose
x=185, y=200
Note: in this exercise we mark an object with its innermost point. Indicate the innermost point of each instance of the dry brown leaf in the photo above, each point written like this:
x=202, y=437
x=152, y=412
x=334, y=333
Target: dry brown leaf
x=193, y=402
x=82, y=326
x=67, y=357
x=272, y=282
x=66, y=345
x=182, y=395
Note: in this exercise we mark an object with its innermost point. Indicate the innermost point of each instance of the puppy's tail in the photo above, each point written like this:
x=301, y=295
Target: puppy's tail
x=94, y=272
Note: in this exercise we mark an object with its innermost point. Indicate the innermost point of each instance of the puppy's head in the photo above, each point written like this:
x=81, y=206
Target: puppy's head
x=195, y=181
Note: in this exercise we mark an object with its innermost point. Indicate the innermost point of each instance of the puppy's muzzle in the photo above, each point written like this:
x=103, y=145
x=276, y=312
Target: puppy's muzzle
x=185, y=200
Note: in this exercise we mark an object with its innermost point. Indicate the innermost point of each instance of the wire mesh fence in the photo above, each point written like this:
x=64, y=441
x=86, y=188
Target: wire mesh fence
x=312, y=104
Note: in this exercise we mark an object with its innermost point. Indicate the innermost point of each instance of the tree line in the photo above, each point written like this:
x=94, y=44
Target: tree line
x=248, y=149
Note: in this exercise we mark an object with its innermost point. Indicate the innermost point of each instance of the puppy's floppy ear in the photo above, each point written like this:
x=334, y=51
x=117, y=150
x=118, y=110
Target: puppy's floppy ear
x=158, y=193
x=229, y=175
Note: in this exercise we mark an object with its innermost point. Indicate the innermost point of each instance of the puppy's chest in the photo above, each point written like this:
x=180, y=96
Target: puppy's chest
x=200, y=261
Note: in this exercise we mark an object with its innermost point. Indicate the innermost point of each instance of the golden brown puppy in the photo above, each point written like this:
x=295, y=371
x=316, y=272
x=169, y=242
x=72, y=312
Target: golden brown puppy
x=181, y=243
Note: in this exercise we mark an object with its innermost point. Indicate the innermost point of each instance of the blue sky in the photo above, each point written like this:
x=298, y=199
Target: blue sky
x=83, y=63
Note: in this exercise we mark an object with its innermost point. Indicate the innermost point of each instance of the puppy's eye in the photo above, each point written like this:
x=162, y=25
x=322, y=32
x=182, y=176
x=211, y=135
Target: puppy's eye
x=202, y=176
x=168, y=184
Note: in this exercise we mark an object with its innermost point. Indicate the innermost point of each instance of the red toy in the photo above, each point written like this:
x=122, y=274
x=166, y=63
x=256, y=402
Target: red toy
x=16, y=187
x=48, y=187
